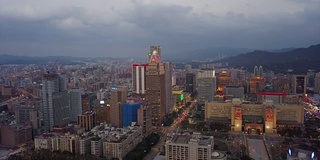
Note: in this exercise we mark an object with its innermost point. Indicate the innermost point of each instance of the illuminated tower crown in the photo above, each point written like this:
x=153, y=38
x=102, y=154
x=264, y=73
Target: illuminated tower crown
x=154, y=56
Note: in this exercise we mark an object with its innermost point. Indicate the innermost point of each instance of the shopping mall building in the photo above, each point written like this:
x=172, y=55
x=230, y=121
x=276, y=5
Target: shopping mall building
x=255, y=118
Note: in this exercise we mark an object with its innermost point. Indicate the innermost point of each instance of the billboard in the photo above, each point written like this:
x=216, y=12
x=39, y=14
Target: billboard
x=269, y=115
x=238, y=113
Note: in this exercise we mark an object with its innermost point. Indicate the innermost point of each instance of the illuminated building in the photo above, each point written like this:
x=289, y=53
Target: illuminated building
x=155, y=86
x=255, y=118
x=139, y=78
x=300, y=84
x=223, y=80
x=256, y=84
x=118, y=97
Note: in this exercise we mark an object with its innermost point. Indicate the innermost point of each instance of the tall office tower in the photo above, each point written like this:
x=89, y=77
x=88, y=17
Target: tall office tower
x=75, y=104
x=118, y=97
x=317, y=83
x=155, y=86
x=260, y=71
x=190, y=82
x=168, y=68
x=300, y=84
x=55, y=105
x=139, y=78
x=256, y=71
x=206, y=85
x=223, y=80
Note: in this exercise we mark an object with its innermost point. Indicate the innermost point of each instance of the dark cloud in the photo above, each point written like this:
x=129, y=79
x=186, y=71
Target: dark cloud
x=127, y=29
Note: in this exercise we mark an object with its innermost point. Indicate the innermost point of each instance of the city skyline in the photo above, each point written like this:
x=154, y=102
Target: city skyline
x=127, y=28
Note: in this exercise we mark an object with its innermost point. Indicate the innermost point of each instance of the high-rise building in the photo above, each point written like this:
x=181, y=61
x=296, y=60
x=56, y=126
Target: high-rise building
x=256, y=71
x=118, y=97
x=55, y=103
x=190, y=82
x=75, y=104
x=300, y=84
x=206, y=85
x=189, y=147
x=168, y=68
x=223, y=80
x=87, y=120
x=257, y=84
x=139, y=78
x=260, y=71
x=145, y=118
x=25, y=114
x=130, y=113
x=155, y=86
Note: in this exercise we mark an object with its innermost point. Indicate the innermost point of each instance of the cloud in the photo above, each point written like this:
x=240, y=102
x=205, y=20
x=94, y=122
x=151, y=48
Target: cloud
x=122, y=27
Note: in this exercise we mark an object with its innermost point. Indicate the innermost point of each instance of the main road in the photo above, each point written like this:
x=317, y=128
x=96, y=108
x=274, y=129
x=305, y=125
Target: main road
x=164, y=133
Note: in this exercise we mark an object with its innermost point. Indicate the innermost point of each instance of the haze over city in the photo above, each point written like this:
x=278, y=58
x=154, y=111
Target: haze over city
x=120, y=28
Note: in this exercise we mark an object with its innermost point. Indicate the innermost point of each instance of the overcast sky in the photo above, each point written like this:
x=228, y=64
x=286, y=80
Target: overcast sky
x=126, y=28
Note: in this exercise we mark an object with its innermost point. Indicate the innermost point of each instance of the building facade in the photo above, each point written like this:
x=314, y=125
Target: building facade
x=118, y=97
x=189, y=147
x=139, y=78
x=206, y=85
x=55, y=103
x=88, y=120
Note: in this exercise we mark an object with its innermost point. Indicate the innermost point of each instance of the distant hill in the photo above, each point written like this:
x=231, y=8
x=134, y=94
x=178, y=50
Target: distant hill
x=300, y=60
x=206, y=54
x=13, y=59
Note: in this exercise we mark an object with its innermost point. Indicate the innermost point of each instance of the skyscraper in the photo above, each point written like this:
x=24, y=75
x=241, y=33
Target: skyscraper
x=75, y=104
x=260, y=71
x=256, y=71
x=168, y=68
x=118, y=97
x=54, y=101
x=155, y=86
x=206, y=85
x=139, y=78
x=190, y=82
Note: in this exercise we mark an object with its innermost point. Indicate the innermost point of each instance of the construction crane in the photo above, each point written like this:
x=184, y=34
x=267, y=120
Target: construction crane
x=51, y=68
